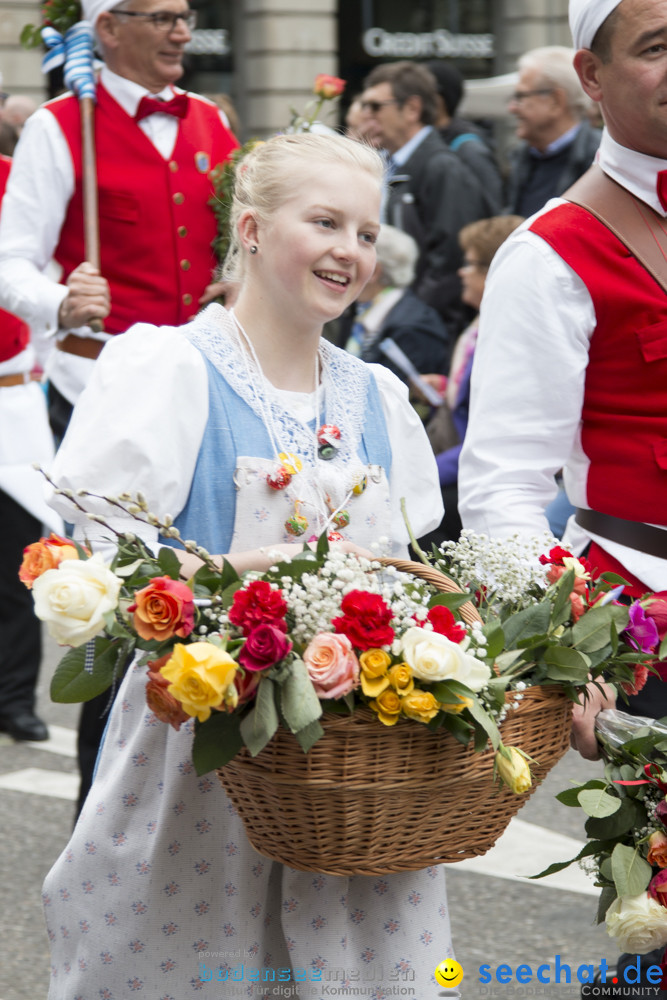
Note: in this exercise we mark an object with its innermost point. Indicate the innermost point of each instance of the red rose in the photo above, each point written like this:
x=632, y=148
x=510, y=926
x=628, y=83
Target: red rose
x=657, y=888
x=164, y=608
x=558, y=554
x=265, y=646
x=327, y=87
x=443, y=621
x=158, y=698
x=258, y=604
x=245, y=682
x=365, y=620
x=656, y=608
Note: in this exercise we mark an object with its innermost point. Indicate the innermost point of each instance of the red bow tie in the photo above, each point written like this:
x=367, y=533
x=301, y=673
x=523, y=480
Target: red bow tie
x=177, y=106
x=662, y=188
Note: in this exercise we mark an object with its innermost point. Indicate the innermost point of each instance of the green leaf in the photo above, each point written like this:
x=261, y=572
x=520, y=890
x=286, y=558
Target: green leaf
x=458, y=727
x=72, y=683
x=451, y=601
x=570, y=797
x=299, y=704
x=607, y=897
x=591, y=848
x=259, y=725
x=662, y=652
x=562, y=606
x=216, y=741
x=565, y=664
x=528, y=623
x=612, y=827
x=322, y=548
x=495, y=639
x=598, y=803
x=169, y=562
x=631, y=872
x=309, y=735
x=592, y=631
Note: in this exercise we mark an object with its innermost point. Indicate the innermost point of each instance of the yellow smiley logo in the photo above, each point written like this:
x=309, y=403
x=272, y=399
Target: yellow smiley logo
x=449, y=973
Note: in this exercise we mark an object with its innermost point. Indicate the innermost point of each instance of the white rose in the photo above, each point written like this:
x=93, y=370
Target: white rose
x=434, y=657
x=74, y=598
x=639, y=923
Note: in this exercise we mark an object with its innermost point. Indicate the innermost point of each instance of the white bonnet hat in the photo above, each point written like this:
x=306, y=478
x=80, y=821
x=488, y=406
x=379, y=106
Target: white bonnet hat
x=586, y=16
x=92, y=9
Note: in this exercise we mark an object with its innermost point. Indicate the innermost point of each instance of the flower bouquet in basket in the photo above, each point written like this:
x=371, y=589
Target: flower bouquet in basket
x=356, y=709
x=626, y=852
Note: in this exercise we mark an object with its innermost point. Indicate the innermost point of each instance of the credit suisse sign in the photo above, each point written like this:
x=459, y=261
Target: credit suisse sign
x=441, y=43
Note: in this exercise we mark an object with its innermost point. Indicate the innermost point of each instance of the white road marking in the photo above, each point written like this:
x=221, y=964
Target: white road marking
x=526, y=849
x=61, y=741
x=56, y=784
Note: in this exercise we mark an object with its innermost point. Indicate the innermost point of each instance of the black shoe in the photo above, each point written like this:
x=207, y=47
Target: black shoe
x=24, y=725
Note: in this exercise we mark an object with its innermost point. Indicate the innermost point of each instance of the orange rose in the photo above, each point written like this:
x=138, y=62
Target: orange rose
x=328, y=87
x=657, y=849
x=45, y=554
x=164, y=608
x=164, y=705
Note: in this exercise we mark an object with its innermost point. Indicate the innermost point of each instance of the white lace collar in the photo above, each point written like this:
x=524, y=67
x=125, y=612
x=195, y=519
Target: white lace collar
x=344, y=381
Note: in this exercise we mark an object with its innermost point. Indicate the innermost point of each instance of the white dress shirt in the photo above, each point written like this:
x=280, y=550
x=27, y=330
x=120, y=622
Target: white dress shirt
x=38, y=193
x=527, y=389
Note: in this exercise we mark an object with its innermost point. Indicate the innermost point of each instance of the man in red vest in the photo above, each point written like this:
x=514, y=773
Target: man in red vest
x=156, y=146
x=571, y=364
x=25, y=438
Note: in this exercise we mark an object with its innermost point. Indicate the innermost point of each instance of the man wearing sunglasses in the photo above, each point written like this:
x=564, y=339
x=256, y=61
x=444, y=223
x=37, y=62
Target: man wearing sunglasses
x=155, y=148
x=431, y=194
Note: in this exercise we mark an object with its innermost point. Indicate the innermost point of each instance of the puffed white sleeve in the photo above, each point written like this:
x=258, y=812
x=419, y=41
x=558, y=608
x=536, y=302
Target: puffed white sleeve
x=414, y=473
x=527, y=388
x=137, y=427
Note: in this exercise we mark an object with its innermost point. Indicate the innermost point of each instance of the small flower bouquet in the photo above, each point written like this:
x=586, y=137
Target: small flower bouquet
x=333, y=636
x=626, y=852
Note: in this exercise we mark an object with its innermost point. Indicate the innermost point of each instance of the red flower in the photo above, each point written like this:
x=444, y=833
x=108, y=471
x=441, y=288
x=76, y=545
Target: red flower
x=656, y=608
x=637, y=683
x=265, y=646
x=158, y=698
x=164, y=608
x=245, y=682
x=258, y=604
x=327, y=86
x=556, y=556
x=658, y=888
x=365, y=620
x=443, y=621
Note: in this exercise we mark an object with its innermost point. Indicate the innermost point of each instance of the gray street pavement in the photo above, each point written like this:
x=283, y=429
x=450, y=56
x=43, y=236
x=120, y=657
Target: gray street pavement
x=498, y=917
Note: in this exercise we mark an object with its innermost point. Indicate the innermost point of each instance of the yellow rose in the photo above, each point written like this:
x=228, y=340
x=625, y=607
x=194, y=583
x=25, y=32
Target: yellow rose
x=200, y=675
x=374, y=679
x=420, y=706
x=513, y=768
x=388, y=707
x=401, y=679
x=457, y=706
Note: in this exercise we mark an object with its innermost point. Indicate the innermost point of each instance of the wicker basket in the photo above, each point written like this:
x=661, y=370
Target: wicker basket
x=370, y=800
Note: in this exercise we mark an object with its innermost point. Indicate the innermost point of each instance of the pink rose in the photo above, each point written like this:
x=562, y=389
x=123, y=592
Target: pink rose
x=332, y=665
x=265, y=646
x=327, y=87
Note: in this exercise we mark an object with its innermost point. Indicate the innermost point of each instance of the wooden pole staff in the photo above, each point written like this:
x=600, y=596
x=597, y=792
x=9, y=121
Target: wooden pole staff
x=90, y=211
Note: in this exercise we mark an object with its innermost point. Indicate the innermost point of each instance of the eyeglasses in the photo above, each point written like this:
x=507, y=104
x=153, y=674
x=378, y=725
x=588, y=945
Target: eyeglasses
x=520, y=95
x=162, y=20
x=374, y=106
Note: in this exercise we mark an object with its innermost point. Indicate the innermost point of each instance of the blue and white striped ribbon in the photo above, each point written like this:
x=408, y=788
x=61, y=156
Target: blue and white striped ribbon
x=75, y=50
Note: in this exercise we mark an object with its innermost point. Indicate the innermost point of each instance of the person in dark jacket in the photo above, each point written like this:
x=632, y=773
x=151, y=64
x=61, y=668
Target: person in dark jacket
x=389, y=309
x=465, y=138
x=431, y=193
x=558, y=145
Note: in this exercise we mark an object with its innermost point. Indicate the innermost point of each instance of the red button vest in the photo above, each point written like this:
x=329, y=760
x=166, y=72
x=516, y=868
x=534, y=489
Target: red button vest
x=624, y=432
x=14, y=333
x=156, y=227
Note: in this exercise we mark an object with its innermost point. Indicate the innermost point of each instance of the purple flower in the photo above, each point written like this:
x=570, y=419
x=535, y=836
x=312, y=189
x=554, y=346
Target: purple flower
x=642, y=631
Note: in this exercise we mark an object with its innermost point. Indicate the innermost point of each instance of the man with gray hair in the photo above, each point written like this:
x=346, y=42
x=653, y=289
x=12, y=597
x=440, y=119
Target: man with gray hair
x=557, y=144
x=156, y=146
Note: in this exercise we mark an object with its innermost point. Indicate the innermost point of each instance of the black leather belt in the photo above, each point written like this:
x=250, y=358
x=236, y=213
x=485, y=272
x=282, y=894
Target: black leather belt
x=633, y=534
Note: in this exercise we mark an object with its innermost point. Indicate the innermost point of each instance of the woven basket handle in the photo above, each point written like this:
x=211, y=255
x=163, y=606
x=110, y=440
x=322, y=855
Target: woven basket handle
x=441, y=582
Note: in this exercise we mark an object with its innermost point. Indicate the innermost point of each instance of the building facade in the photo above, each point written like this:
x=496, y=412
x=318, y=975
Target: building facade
x=265, y=54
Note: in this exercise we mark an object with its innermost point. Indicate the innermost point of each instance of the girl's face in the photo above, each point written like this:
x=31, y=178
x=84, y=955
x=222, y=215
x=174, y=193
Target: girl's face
x=317, y=251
